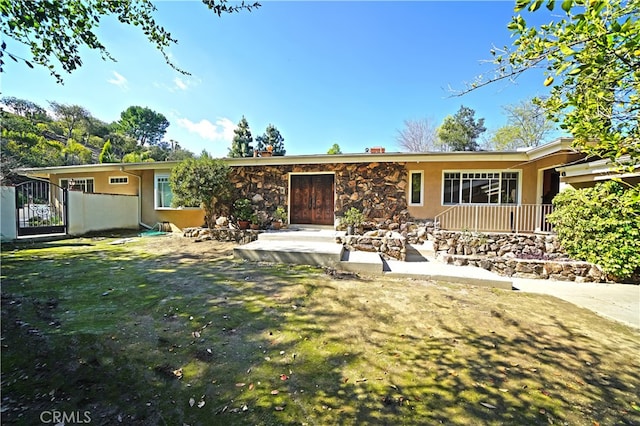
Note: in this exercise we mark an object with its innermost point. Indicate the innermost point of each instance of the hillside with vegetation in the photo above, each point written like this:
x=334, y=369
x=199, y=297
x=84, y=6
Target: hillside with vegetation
x=62, y=135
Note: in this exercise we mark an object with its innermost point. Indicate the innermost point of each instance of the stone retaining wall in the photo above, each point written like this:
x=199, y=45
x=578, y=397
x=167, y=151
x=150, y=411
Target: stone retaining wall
x=388, y=243
x=242, y=236
x=527, y=268
x=514, y=255
x=529, y=246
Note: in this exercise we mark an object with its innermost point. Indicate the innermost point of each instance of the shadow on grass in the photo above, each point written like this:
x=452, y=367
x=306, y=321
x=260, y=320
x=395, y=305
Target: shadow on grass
x=138, y=338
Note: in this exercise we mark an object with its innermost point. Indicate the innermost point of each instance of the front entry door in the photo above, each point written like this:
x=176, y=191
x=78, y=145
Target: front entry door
x=312, y=199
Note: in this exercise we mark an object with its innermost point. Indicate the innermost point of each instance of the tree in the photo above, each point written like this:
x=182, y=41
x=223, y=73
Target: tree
x=242, y=140
x=203, y=182
x=591, y=59
x=107, y=155
x=27, y=109
x=56, y=31
x=271, y=137
x=143, y=125
x=418, y=136
x=335, y=149
x=76, y=153
x=69, y=116
x=527, y=126
x=460, y=132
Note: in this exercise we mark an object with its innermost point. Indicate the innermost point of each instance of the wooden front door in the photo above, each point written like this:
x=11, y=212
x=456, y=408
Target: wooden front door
x=312, y=199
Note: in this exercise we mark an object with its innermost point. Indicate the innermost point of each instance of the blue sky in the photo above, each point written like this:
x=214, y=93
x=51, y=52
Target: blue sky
x=322, y=72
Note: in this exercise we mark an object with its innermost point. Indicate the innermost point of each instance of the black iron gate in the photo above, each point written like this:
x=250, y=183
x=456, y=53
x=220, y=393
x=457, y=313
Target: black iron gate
x=41, y=208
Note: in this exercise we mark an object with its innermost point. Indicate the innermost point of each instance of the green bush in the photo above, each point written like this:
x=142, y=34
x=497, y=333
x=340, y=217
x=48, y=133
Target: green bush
x=601, y=225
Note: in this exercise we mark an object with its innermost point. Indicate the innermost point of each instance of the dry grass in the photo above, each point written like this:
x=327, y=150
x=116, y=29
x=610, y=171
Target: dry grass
x=147, y=331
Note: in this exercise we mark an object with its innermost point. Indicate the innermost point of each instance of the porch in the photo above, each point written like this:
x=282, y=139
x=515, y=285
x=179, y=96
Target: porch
x=523, y=218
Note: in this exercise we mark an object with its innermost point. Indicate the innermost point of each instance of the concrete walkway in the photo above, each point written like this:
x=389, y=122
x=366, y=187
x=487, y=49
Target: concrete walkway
x=619, y=302
x=318, y=247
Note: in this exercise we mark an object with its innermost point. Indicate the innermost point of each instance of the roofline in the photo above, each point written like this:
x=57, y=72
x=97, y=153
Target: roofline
x=562, y=144
x=598, y=167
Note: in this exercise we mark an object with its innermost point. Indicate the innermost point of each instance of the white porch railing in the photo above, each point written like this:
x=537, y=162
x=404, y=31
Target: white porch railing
x=492, y=218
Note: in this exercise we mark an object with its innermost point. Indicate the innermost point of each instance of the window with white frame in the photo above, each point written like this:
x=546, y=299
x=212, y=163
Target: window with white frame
x=77, y=184
x=416, y=190
x=118, y=180
x=162, y=190
x=480, y=187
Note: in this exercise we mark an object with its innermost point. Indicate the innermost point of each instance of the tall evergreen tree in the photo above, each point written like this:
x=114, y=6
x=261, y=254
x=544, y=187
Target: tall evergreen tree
x=242, y=140
x=271, y=137
x=460, y=132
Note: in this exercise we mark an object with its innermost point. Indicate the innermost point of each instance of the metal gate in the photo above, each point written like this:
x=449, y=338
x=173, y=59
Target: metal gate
x=41, y=208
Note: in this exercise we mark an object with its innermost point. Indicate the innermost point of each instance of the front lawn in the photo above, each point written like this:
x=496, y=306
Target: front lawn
x=161, y=330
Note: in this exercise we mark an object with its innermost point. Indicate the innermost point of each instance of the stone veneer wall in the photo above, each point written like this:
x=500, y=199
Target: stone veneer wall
x=376, y=189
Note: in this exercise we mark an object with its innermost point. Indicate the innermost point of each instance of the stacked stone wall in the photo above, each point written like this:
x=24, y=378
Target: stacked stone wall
x=376, y=189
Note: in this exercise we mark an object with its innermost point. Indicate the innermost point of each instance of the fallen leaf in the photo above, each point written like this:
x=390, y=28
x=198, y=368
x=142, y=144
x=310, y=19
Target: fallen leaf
x=196, y=334
x=279, y=408
x=275, y=392
x=484, y=404
x=201, y=404
x=245, y=408
x=178, y=373
x=503, y=390
x=251, y=386
x=191, y=402
x=239, y=385
x=284, y=377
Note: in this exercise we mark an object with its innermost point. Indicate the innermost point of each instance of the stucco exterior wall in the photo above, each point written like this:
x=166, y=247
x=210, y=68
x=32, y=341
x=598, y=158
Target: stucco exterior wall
x=96, y=212
x=8, y=225
x=101, y=183
x=177, y=218
x=530, y=186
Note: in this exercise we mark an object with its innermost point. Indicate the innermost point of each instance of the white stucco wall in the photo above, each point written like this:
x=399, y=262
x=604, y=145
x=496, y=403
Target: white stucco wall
x=8, y=213
x=96, y=212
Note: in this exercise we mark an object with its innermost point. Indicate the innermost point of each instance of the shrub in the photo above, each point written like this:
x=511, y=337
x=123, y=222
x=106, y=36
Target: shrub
x=203, y=181
x=353, y=217
x=601, y=225
x=242, y=209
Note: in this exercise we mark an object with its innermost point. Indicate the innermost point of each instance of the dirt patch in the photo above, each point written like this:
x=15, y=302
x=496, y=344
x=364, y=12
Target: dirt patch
x=176, y=244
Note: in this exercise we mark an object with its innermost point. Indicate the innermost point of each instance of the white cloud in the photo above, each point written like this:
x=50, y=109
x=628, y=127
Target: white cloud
x=180, y=84
x=119, y=80
x=222, y=130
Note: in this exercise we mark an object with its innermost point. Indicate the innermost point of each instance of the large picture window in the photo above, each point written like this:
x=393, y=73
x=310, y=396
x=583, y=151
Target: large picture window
x=163, y=194
x=480, y=187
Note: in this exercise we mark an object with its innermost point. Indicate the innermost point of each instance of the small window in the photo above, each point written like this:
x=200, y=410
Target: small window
x=163, y=193
x=415, y=189
x=118, y=180
x=77, y=184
